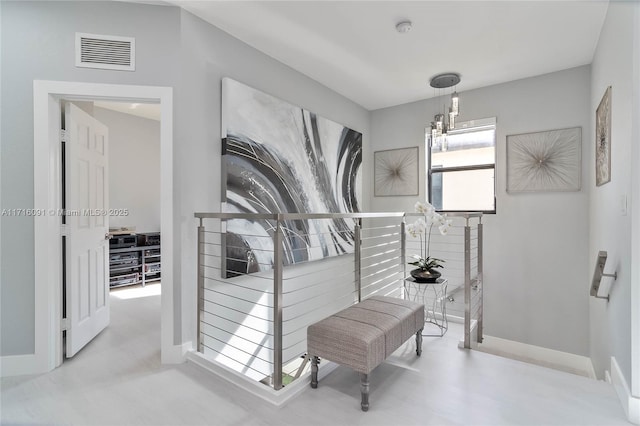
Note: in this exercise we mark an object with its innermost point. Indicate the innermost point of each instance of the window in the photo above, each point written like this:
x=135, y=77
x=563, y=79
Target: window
x=461, y=167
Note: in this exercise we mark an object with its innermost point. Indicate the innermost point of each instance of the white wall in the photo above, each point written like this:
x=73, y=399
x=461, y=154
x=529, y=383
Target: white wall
x=536, y=270
x=134, y=169
x=609, y=228
x=173, y=49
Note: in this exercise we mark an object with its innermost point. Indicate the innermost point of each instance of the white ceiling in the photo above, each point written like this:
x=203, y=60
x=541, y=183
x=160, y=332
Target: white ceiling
x=353, y=47
x=150, y=111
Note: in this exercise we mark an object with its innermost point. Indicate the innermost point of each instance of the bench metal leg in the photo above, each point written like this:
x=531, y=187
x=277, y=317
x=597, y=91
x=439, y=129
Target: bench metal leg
x=419, y=342
x=364, y=390
x=314, y=372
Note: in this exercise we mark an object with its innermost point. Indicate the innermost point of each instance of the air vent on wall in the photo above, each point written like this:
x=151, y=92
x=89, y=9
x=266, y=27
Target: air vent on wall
x=105, y=52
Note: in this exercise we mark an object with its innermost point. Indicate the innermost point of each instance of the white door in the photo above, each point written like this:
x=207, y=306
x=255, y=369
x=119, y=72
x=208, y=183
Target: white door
x=87, y=227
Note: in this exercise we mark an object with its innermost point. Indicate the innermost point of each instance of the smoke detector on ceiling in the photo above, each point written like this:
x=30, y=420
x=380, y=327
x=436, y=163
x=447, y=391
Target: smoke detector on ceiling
x=403, y=27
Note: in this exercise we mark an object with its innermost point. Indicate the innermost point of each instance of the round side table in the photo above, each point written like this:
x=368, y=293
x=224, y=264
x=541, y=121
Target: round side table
x=434, y=297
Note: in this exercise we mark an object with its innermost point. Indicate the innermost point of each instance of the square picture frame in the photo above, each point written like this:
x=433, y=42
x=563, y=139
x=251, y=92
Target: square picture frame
x=603, y=139
x=396, y=172
x=547, y=161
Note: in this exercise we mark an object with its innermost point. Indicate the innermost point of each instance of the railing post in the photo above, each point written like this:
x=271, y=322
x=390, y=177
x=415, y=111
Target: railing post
x=358, y=256
x=200, y=285
x=480, y=284
x=277, y=305
x=403, y=254
x=467, y=285
x=223, y=253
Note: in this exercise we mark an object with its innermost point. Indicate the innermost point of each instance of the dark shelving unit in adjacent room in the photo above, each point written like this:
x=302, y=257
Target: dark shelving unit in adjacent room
x=134, y=259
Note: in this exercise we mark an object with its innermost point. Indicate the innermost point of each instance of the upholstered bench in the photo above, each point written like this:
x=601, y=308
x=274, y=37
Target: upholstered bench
x=364, y=335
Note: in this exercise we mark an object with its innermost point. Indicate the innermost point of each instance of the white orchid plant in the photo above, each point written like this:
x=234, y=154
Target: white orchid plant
x=419, y=227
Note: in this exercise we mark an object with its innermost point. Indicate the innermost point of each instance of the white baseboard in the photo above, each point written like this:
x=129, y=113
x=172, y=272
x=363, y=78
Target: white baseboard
x=18, y=365
x=630, y=403
x=176, y=354
x=258, y=389
x=551, y=358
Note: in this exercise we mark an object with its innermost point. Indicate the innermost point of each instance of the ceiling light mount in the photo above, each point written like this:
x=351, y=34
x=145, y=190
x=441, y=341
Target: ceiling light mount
x=440, y=126
x=403, y=27
x=442, y=81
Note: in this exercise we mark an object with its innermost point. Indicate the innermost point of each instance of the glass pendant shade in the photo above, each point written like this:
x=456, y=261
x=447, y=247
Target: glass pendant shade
x=440, y=126
x=455, y=109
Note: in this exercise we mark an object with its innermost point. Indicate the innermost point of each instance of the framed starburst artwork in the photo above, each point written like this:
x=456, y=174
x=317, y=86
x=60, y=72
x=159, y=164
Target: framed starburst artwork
x=603, y=139
x=396, y=172
x=544, y=161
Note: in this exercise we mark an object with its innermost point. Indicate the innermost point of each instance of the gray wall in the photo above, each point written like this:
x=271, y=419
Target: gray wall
x=212, y=55
x=538, y=246
x=173, y=49
x=134, y=169
x=609, y=229
x=536, y=269
x=38, y=43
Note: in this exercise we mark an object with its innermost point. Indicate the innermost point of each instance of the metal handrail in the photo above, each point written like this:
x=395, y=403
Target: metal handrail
x=297, y=216
x=466, y=215
x=278, y=264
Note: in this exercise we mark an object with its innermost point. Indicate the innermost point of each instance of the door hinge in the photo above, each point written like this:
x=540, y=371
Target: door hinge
x=64, y=324
x=63, y=230
x=63, y=136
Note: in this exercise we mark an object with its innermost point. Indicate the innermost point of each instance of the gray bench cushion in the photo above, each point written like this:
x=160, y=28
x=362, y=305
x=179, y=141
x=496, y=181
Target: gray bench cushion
x=409, y=314
x=354, y=344
x=363, y=335
x=387, y=323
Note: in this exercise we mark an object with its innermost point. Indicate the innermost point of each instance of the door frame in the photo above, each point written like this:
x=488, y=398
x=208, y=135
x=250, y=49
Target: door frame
x=47, y=96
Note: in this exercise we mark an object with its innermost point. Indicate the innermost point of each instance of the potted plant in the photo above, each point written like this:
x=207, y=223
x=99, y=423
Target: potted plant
x=427, y=265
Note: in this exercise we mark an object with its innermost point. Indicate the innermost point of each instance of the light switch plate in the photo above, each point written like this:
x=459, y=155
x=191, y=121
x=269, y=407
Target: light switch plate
x=623, y=204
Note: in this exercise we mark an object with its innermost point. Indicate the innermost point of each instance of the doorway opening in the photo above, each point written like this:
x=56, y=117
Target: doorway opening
x=47, y=229
x=127, y=181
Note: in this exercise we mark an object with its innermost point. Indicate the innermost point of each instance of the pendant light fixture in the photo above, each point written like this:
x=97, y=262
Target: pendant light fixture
x=440, y=127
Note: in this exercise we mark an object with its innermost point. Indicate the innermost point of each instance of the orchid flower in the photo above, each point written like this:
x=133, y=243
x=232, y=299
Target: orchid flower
x=416, y=229
x=425, y=208
x=444, y=229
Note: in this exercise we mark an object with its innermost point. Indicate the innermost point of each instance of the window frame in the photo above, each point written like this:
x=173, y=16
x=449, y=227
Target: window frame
x=471, y=124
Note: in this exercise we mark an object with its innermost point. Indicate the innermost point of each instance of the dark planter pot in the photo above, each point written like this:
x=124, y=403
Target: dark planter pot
x=425, y=276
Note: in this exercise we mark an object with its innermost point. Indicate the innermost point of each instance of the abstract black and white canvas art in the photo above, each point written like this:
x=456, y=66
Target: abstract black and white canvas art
x=280, y=158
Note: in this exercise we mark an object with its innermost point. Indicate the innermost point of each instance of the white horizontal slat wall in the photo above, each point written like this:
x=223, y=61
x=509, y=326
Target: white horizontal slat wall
x=236, y=324
x=382, y=271
x=311, y=292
